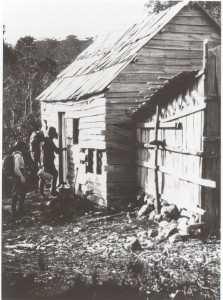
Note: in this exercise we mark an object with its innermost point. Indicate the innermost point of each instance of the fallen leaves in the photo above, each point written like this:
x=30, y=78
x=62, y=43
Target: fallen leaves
x=97, y=241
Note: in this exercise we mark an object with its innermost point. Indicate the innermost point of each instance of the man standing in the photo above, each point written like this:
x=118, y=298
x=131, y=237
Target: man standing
x=47, y=149
x=19, y=186
x=36, y=138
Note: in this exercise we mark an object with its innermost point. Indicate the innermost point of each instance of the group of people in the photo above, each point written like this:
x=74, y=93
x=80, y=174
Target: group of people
x=42, y=152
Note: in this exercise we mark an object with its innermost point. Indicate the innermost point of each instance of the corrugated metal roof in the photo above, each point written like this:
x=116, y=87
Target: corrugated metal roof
x=172, y=86
x=102, y=61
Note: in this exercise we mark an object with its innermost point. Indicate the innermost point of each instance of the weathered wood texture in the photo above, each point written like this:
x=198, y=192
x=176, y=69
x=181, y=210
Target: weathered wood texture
x=211, y=166
x=121, y=174
x=175, y=167
x=105, y=124
x=189, y=163
x=91, y=135
x=179, y=46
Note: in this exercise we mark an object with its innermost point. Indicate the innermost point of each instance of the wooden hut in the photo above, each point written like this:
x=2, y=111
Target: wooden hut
x=178, y=140
x=89, y=101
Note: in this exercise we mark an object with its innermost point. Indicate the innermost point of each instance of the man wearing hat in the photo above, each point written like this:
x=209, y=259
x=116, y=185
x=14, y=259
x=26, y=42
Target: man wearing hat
x=48, y=148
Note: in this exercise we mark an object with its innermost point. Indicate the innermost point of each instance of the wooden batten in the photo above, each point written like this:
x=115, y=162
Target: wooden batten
x=188, y=162
x=186, y=124
x=211, y=134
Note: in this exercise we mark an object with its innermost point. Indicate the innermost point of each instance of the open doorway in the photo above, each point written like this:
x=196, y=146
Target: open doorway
x=62, y=144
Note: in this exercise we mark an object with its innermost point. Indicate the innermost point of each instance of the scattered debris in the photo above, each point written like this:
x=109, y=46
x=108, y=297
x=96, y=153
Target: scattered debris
x=45, y=254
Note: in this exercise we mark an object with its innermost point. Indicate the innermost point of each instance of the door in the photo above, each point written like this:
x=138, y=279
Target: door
x=62, y=144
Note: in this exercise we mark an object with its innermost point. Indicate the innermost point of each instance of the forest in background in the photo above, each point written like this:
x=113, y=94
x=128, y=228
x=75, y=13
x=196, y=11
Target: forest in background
x=28, y=68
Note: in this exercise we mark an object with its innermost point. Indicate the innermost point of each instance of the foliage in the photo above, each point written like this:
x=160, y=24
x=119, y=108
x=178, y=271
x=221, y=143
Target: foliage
x=62, y=52
x=20, y=131
x=29, y=68
x=212, y=7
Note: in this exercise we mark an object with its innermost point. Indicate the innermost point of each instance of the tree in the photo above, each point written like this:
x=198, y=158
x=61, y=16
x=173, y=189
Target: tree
x=27, y=64
x=29, y=68
x=212, y=7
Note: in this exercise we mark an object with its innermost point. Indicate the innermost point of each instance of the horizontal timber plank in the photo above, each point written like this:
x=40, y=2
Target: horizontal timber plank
x=198, y=181
x=175, y=47
x=74, y=105
x=119, y=130
x=175, y=43
x=185, y=20
x=212, y=139
x=130, y=77
x=92, y=119
x=127, y=87
x=111, y=95
x=151, y=125
x=101, y=145
x=113, y=107
x=206, y=29
x=187, y=12
x=90, y=125
x=145, y=164
x=183, y=151
x=95, y=131
x=86, y=112
x=91, y=137
x=190, y=37
x=127, y=101
x=184, y=113
x=118, y=146
x=170, y=53
x=165, y=62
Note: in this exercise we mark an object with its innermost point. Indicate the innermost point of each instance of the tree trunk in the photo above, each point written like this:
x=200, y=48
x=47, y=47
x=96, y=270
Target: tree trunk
x=30, y=100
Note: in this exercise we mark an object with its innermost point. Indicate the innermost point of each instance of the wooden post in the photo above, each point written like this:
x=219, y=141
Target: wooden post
x=61, y=133
x=157, y=202
x=210, y=198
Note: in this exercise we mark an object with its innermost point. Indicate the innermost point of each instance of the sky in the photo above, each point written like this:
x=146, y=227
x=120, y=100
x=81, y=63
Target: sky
x=60, y=18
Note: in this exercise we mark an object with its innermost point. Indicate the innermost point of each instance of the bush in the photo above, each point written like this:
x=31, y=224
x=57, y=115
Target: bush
x=20, y=131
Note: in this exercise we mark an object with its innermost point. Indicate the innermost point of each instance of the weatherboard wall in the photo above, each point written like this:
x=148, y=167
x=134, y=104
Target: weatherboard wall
x=189, y=160
x=91, y=116
x=178, y=47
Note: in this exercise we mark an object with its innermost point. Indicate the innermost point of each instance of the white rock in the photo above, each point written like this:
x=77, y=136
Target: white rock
x=149, y=199
x=147, y=244
x=152, y=215
x=145, y=209
x=183, y=220
x=158, y=218
x=183, y=233
x=175, y=238
x=167, y=231
x=183, y=227
x=163, y=224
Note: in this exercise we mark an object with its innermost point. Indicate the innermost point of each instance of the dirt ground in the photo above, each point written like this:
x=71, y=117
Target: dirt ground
x=66, y=248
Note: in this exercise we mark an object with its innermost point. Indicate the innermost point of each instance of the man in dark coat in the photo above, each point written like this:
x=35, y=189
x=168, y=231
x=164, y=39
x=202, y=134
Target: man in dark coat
x=48, y=148
x=36, y=138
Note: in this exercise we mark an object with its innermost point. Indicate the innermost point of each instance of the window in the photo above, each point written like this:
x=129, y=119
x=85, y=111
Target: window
x=94, y=161
x=99, y=161
x=75, y=131
x=90, y=161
